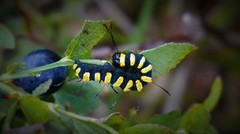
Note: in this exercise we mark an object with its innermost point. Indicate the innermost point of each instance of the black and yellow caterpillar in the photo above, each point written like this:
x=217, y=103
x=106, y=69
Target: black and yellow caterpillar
x=129, y=71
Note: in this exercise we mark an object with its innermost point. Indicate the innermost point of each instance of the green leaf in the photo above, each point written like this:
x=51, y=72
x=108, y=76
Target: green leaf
x=6, y=89
x=147, y=129
x=181, y=131
x=116, y=121
x=90, y=34
x=214, y=96
x=196, y=120
x=4, y=106
x=79, y=96
x=11, y=110
x=167, y=56
x=42, y=88
x=6, y=38
x=35, y=110
x=170, y=120
x=87, y=127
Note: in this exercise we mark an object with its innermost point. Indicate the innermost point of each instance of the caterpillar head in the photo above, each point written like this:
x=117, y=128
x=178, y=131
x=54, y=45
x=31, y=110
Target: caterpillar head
x=116, y=59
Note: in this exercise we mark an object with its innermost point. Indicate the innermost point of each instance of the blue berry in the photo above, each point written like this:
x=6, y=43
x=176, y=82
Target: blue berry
x=39, y=58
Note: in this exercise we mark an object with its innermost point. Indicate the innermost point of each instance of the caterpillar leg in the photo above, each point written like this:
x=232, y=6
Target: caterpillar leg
x=138, y=107
x=114, y=103
x=78, y=92
x=98, y=94
x=114, y=89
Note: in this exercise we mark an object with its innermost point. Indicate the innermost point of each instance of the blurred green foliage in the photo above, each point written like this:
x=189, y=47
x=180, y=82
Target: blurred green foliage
x=37, y=111
x=212, y=25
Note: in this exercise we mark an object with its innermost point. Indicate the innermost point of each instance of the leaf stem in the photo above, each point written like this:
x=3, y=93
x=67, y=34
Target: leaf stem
x=86, y=119
x=10, y=114
x=5, y=89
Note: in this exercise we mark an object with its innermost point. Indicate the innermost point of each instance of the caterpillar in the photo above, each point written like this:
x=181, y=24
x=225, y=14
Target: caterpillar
x=129, y=71
x=109, y=74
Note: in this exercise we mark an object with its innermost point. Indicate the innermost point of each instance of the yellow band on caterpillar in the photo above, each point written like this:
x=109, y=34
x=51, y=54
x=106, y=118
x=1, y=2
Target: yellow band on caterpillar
x=139, y=85
x=74, y=66
x=146, y=79
x=142, y=61
x=147, y=69
x=97, y=76
x=118, y=82
x=122, y=60
x=128, y=86
x=77, y=71
x=108, y=78
x=86, y=76
x=132, y=59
